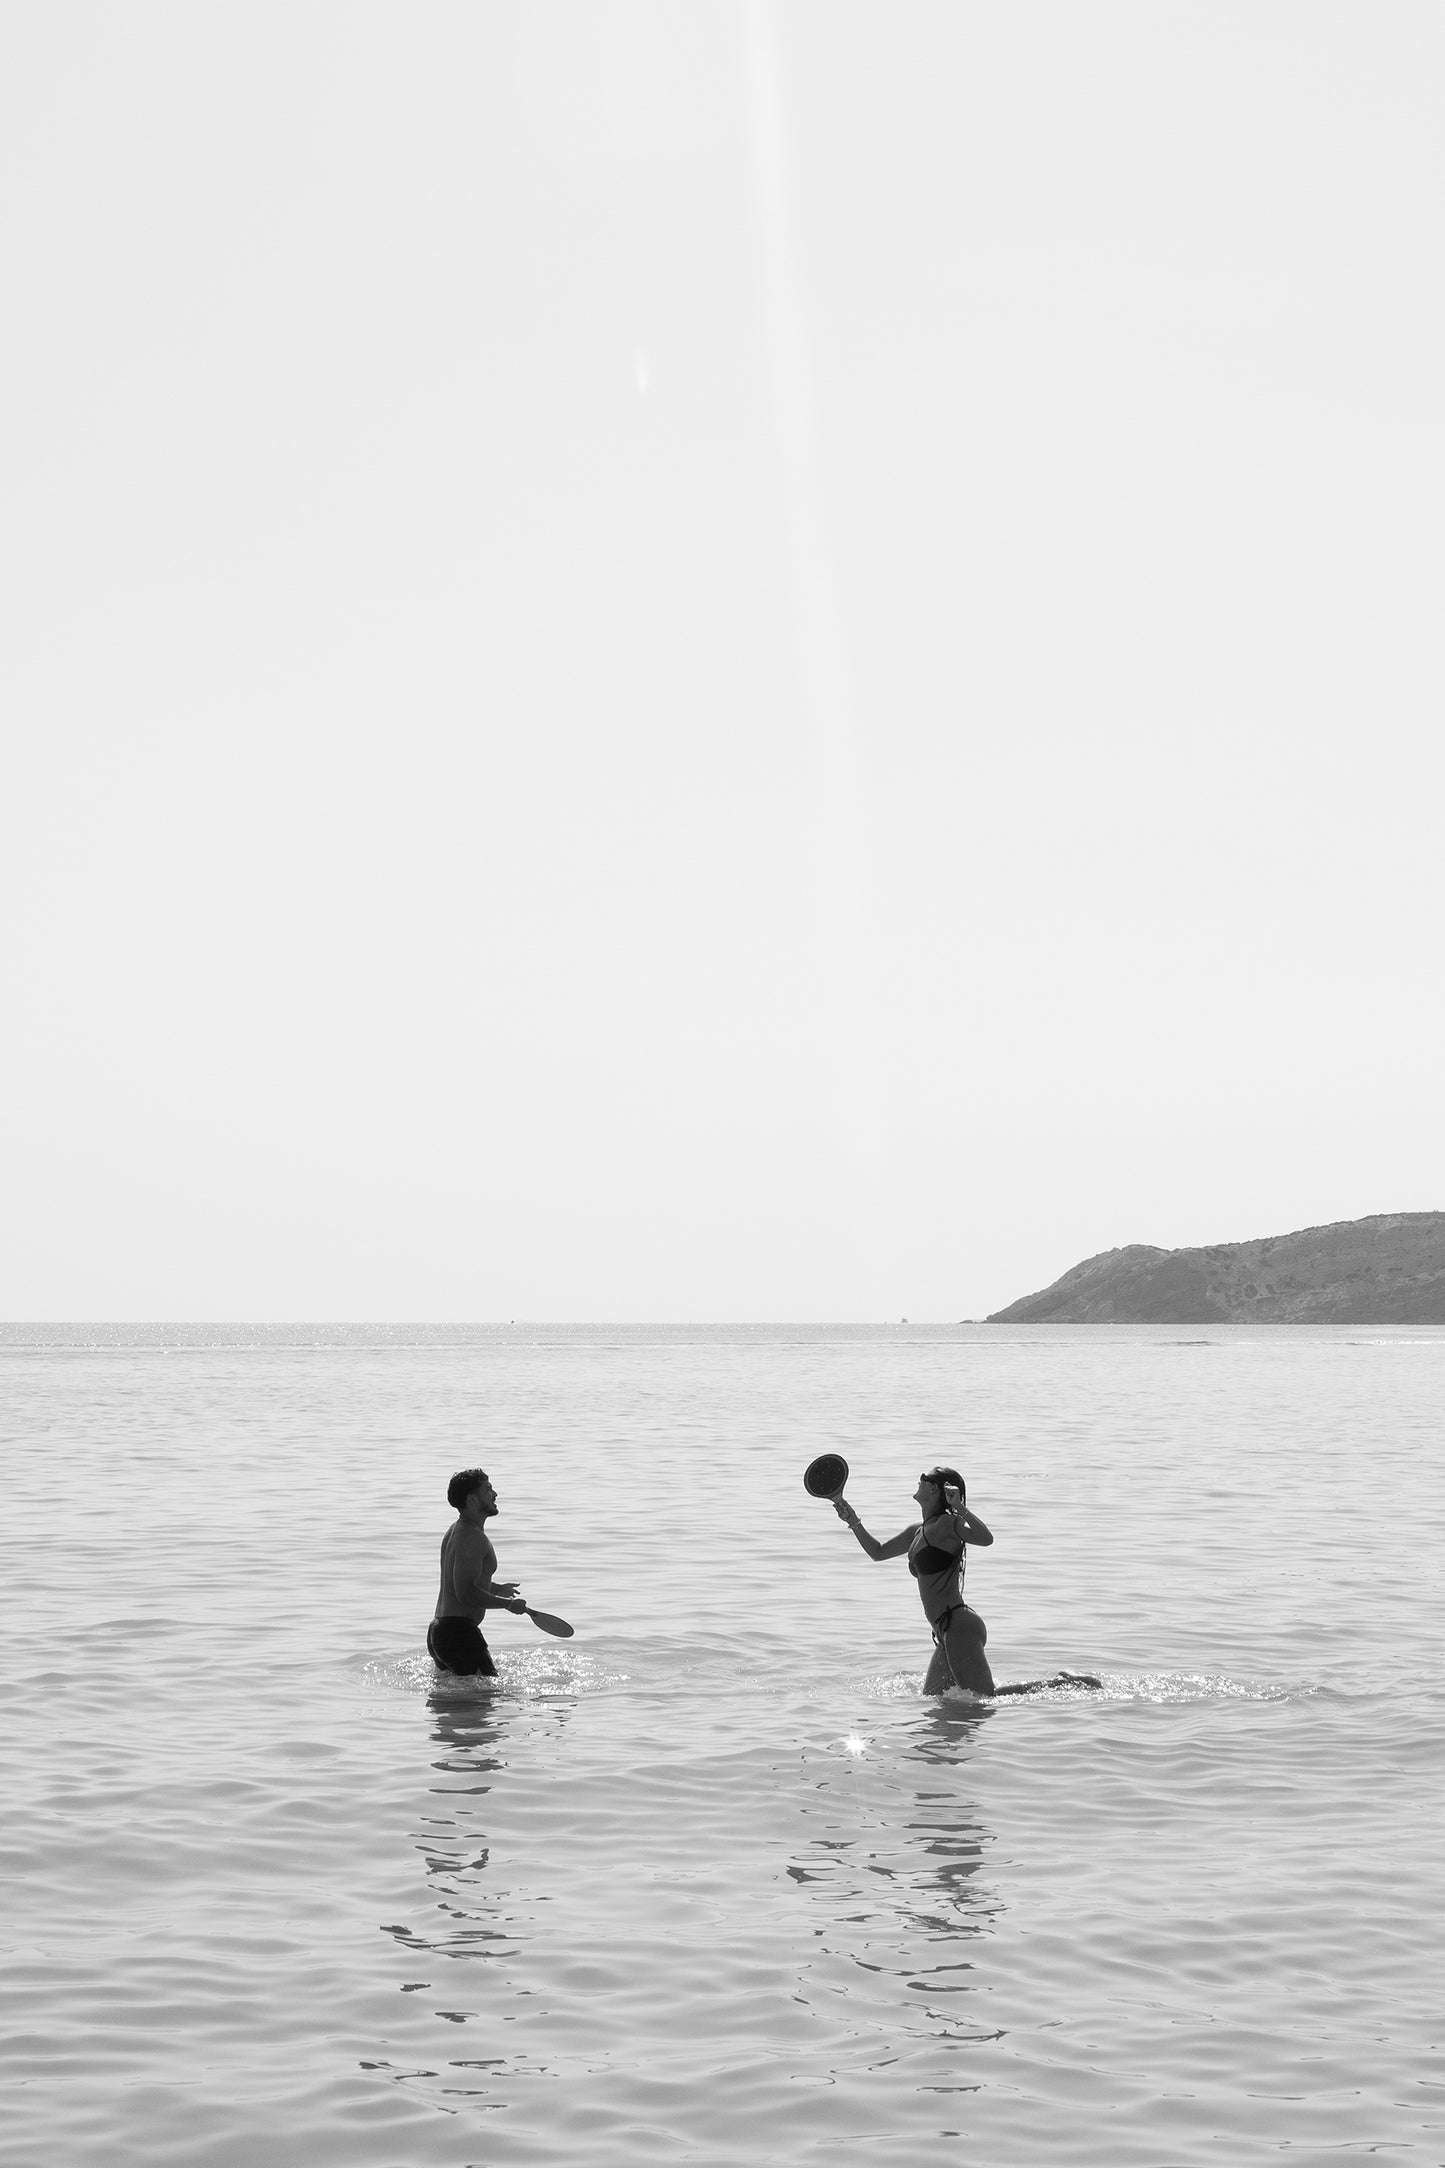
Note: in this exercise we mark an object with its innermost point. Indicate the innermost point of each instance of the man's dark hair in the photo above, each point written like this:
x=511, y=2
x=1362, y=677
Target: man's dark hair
x=462, y=1484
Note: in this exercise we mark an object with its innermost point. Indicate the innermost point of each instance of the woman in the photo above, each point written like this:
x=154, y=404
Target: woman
x=934, y=1546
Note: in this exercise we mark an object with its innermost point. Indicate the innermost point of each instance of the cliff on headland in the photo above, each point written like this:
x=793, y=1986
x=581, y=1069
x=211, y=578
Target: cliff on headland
x=1385, y=1270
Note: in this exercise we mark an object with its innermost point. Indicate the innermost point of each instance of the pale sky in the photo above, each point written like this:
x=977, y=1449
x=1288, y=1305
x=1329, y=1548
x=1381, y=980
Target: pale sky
x=712, y=661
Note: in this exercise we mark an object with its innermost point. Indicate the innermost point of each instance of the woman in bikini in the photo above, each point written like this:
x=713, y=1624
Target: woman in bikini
x=934, y=1546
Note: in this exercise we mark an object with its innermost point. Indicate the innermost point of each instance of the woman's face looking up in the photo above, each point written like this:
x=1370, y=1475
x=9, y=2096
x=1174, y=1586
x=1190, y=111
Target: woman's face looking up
x=929, y=1497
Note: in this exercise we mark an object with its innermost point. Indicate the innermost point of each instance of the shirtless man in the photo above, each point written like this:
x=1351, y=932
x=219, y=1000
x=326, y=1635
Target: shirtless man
x=468, y=1588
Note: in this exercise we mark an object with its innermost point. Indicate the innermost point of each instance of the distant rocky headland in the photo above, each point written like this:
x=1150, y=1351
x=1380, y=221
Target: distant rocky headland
x=1385, y=1270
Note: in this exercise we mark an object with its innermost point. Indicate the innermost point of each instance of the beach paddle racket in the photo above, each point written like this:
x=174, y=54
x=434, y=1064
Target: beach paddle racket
x=825, y=1476
x=549, y=1622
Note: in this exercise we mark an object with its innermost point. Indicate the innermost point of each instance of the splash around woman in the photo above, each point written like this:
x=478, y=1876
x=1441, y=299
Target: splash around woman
x=934, y=1547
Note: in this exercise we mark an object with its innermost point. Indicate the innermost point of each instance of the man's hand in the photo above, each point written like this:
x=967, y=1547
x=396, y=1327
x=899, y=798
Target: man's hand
x=516, y=1604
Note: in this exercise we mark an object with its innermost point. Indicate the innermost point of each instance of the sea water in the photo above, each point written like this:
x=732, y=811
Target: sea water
x=713, y=1882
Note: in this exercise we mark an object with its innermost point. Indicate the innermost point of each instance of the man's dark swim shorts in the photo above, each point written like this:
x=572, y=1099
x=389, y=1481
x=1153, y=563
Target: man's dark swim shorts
x=457, y=1644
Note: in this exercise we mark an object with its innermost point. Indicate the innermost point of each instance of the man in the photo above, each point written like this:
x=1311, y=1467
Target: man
x=468, y=1588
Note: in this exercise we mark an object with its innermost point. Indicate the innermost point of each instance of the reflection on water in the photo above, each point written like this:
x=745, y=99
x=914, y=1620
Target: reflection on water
x=949, y=1906
x=948, y=1728
x=468, y=1723
x=454, y=1843
x=892, y=1856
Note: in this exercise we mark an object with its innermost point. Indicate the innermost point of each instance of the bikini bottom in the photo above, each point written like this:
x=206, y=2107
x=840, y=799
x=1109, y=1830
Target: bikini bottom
x=968, y=1618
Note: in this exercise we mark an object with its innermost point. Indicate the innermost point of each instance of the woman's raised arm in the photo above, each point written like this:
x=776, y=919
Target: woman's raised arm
x=969, y=1526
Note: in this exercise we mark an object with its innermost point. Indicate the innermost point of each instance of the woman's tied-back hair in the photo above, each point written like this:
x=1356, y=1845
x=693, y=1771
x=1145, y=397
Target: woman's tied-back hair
x=942, y=1477
x=462, y=1484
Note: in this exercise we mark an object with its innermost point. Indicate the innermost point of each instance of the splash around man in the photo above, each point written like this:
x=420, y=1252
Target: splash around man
x=469, y=1588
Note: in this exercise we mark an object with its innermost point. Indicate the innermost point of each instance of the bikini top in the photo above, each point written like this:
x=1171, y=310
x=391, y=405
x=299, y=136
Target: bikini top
x=926, y=1557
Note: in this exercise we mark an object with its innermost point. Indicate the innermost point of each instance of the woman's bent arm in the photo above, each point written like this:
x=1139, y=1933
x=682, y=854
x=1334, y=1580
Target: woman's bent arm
x=894, y=1547
x=975, y=1530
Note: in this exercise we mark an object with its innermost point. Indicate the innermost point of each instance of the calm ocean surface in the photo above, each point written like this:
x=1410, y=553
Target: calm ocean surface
x=712, y=1882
